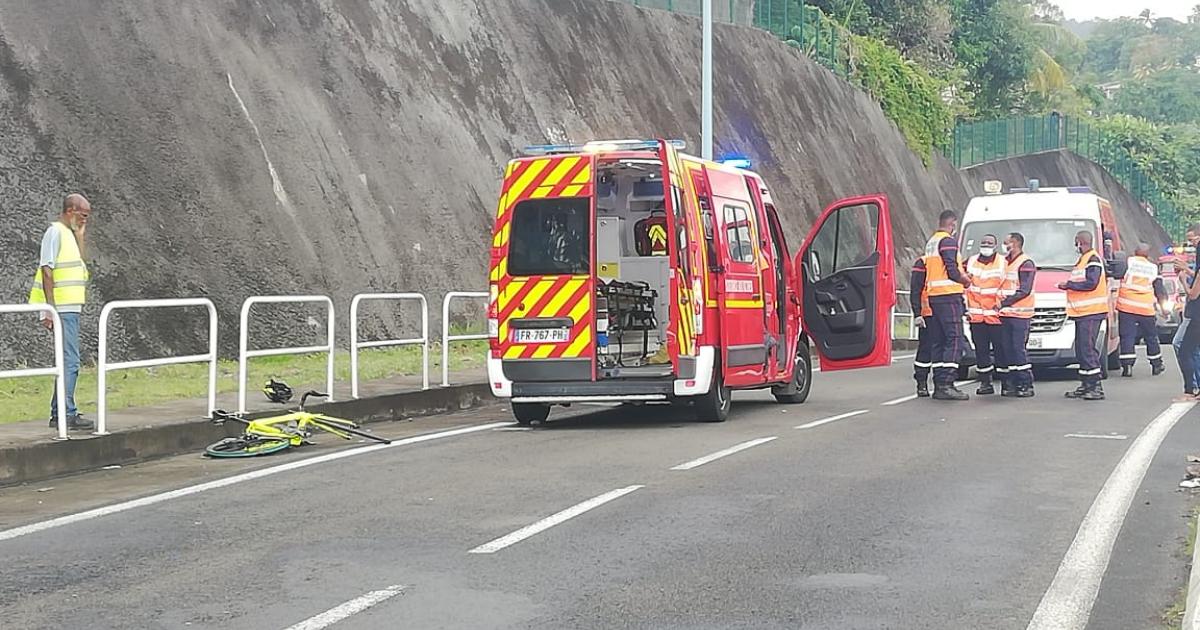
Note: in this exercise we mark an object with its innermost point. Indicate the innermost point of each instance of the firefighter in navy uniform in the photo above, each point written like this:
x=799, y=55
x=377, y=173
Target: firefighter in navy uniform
x=944, y=283
x=986, y=273
x=1138, y=300
x=1016, y=311
x=923, y=361
x=1087, y=306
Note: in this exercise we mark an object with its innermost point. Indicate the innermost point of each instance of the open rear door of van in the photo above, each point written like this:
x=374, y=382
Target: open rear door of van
x=848, y=285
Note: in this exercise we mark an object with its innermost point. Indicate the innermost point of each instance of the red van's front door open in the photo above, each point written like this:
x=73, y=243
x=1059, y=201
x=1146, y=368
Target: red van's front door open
x=848, y=286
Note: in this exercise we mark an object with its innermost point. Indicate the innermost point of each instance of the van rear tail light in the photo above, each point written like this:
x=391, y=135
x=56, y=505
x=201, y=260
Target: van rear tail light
x=493, y=319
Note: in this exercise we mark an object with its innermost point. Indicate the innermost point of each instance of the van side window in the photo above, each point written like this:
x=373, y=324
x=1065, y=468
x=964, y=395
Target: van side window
x=846, y=239
x=737, y=234
x=549, y=237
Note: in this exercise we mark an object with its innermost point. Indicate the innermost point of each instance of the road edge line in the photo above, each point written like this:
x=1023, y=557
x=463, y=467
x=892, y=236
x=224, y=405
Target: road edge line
x=1067, y=604
x=347, y=609
x=1191, y=617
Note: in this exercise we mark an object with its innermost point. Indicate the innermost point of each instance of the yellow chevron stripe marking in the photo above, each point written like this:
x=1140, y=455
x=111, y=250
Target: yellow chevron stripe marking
x=584, y=176
x=518, y=188
x=543, y=351
x=557, y=302
x=572, y=191
x=560, y=171
x=580, y=344
x=514, y=352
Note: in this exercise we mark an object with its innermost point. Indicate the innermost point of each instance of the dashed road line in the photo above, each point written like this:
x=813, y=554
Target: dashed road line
x=904, y=399
x=1095, y=436
x=841, y=416
x=551, y=521
x=722, y=453
x=352, y=607
x=1067, y=604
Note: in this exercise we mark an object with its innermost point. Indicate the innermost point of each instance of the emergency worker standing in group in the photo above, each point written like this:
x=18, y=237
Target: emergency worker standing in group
x=944, y=283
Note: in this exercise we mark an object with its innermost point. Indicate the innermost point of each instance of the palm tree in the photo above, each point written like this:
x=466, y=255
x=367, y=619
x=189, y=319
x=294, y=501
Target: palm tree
x=1147, y=17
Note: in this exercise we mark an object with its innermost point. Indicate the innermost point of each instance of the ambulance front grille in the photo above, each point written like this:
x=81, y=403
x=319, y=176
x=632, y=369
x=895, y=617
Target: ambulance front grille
x=1047, y=320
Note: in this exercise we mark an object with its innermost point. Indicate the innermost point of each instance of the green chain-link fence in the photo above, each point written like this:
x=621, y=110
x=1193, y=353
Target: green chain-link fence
x=979, y=142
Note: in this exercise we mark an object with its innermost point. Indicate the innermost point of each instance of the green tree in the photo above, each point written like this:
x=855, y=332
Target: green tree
x=1168, y=96
x=994, y=44
x=1107, y=43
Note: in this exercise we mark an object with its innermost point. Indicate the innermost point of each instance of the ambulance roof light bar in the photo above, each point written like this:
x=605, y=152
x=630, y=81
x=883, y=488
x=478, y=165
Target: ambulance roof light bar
x=600, y=146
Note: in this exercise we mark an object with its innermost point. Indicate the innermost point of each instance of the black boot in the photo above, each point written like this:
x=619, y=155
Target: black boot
x=985, y=387
x=922, y=389
x=1007, y=390
x=949, y=392
x=1094, y=393
x=1078, y=393
x=1025, y=392
x=1127, y=371
x=1157, y=368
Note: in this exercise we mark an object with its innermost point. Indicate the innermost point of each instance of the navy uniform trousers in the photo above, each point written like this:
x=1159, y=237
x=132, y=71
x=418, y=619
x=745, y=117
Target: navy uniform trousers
x=1015, y=338
x=946, y=331
x=1086, y=352
x=989, y=351
x=1131, y=327
x=923, y=362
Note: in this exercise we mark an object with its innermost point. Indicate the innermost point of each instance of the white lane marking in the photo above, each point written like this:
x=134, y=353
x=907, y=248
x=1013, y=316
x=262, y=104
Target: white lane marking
x=352, y=607
x=901, y=357
x=1191, y=620
x=551, y=521
x=1095, y=436
x=695, y=463
x=842, y=416
x=229, y=481
x=904, y=399
x=1068, y=602
x=513, y=429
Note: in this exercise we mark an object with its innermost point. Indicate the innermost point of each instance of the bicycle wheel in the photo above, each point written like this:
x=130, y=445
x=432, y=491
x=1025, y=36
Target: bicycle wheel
x=246, y=446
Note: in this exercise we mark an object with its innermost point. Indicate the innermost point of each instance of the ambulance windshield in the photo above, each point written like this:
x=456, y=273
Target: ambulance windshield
x=1049, y=242
x=550, y=237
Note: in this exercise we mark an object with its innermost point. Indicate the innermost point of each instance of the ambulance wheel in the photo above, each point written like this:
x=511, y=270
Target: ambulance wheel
x=714, y=406
x=528, y=413
x=796, y=392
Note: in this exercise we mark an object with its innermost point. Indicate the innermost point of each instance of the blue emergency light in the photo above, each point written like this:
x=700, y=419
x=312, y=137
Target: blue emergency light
x=735, y=160
x=599, y=146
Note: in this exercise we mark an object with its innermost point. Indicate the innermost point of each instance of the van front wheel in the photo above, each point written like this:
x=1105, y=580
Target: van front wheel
x=528, y=413
x=714, y=406
x=796, y=391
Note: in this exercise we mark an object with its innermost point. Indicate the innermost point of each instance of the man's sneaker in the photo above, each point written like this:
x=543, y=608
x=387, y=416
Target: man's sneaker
x=922, y=390
x=985, y=389
x=1157, y=369
x=1078, y=393
x=1127, y=371
x=1094, y=393
x=949, y=392
x=79, y=422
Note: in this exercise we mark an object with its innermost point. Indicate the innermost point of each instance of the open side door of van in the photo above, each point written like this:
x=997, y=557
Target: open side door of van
x=848, y=288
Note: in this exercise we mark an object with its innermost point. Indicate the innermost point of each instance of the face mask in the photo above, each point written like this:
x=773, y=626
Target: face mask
x=1079, y=249
x=987, y=252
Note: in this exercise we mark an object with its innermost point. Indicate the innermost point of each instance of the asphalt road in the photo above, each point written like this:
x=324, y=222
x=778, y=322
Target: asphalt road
x=916, y=514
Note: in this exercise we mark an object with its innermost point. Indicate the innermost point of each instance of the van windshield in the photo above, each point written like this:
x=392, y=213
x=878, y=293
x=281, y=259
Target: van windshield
x=550, y=237
x=1049, y=242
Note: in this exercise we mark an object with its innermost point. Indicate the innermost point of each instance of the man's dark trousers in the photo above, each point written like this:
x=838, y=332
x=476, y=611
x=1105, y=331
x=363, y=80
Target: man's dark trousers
x=1132, y=326
x=1015, y=337
x=949, y=343
x=986, y=338
x=1086, y=352
x=923, y=362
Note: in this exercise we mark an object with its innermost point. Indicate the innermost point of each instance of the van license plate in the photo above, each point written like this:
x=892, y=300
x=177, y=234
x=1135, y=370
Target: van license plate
x=1035, y=342
x=543, y=335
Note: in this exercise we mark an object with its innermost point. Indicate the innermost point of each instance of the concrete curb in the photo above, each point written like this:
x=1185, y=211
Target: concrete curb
x=33, y=462
x=1191, y=617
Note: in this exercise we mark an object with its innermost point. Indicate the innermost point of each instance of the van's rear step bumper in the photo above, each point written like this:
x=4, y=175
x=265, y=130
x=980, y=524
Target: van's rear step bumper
x=593, y=391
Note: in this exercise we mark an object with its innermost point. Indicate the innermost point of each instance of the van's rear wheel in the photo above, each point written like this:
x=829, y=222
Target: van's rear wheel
x=714, y=406
x=528, y=413
x=796, y=391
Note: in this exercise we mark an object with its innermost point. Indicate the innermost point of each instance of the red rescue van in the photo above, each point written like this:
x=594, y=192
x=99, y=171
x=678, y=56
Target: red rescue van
x=587, y=305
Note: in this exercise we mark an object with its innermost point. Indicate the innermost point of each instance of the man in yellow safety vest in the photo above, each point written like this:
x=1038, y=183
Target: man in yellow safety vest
x=61, y=281
x=1138, y=301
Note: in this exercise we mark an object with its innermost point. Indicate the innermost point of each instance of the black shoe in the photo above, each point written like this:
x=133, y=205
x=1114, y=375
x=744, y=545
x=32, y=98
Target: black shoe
x=949, y=392
x=922, y=390
x=1008, y=391
x=1095, y=393
x=1078, y=393
x=985, y=389
x=1157, y=369
x=77, y=421
x=1127, y=371
x=1025, y=392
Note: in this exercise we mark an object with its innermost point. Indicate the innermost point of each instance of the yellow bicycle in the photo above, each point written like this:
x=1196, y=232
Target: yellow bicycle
x=277, y=433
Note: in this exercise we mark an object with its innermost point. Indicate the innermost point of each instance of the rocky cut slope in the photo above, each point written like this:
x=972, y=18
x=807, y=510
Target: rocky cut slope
x=240, y=147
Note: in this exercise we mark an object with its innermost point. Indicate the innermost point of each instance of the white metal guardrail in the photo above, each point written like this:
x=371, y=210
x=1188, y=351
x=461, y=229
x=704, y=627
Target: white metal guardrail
x=446, y=337
x=58, y=369
x=356, y=345
x=902, y=298
x=244, y=353
x=103, y=367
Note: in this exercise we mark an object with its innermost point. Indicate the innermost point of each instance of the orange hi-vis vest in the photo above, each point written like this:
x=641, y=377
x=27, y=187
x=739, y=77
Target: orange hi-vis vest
x=1023, y=308
x=983, y=296
x=1136, y=295
x=937, y=280
x=1084, y=303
